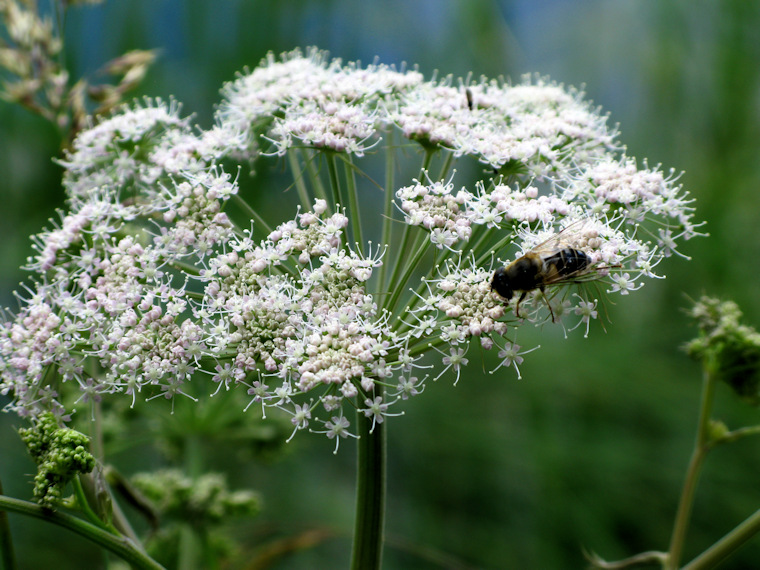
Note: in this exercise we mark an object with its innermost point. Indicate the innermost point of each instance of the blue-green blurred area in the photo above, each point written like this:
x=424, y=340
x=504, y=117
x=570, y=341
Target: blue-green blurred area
x=588, y=450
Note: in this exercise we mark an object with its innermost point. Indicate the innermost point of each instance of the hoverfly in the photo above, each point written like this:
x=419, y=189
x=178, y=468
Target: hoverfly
x=552, y=262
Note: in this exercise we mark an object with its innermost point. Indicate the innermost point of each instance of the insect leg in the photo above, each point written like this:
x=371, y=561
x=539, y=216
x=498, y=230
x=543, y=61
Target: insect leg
x=517, y=307
x=548, y=304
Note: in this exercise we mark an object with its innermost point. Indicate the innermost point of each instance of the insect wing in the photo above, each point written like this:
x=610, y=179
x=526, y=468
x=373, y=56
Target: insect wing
x=558, y=241
x=563, y=261
x=567, y=265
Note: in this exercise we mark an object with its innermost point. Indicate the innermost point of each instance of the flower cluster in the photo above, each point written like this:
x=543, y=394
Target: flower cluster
x=150, y=282
x=208, y=499
x=174, y=498
x=311, y=101
x=316, y=325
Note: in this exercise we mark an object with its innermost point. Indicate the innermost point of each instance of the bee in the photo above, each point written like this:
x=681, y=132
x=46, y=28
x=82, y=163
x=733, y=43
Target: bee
x=549, y=263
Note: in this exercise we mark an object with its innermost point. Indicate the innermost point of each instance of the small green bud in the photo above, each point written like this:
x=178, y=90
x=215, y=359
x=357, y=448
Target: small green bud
x=716, y=430
x=205, y=503
x=206, y=500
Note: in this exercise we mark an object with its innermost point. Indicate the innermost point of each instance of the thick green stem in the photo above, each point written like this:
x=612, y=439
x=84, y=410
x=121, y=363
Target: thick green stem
x=96, y=438
x=99, y=491
x=7, y=557
x=119, y=545
x=190, y=549
x=726, y=545
x=701, y=447
x=370, y=495
x=93, y=490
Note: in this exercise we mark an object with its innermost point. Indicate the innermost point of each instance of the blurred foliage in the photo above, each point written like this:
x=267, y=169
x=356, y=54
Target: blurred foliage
x=589, y=449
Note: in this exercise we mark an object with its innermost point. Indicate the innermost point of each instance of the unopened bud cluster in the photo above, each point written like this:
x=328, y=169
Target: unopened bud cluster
x=60, y=453
x=729, y=349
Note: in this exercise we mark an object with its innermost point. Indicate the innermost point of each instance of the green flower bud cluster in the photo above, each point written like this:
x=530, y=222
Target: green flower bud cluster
x=205, y=504
x=60, y=454
x=729, y=349
x=203, y=501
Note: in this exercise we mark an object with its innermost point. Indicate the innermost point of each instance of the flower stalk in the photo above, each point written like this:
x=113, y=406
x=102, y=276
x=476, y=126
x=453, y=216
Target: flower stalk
x=7, y=555
x=727, y=545
x=701, y=447
x=369, y=523
x=118, y=545
x=729, y=352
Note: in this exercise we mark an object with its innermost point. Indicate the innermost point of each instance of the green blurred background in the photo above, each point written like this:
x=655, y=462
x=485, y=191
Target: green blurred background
x=589, y=449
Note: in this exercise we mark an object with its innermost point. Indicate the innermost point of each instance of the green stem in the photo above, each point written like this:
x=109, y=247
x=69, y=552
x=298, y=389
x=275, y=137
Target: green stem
x=446, y=167
x=726, y=545
x=701, y=447
x=316, y=180
x=332, y=171
x=424, y=345
x=393, y=284
x=190, y=547
x=426, y=164
x=303, y=192
x=390, y=166
x=93, y=489
x=383, y=286
x=418, y=294
x=257, y=219
x=479, y=240
x=117, y=516
x=501, y=244
x=7, y=557
x=738, y=434
x=84, y=507
x=97, y=432
x=399, y=286
x=353, y=202
x=118, y=545
x=370, y=495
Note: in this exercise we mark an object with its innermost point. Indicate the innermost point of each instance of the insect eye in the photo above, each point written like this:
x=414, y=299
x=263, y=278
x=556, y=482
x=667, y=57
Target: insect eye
x=500, y=284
